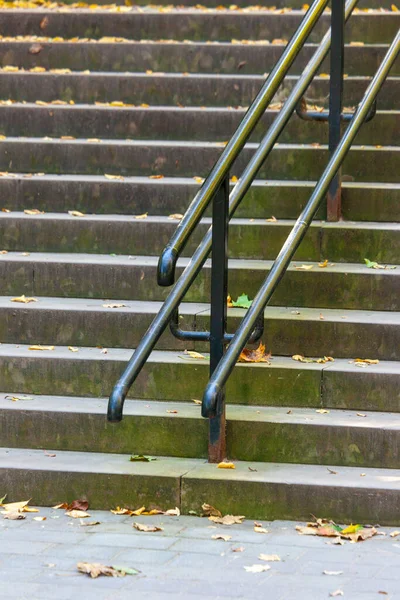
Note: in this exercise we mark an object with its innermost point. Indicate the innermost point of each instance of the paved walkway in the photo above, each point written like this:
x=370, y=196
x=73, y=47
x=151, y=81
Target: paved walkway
x=38, y=561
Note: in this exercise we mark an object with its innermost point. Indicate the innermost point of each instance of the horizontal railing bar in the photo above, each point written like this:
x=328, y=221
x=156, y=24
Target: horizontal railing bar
x=170, y=254
x=227, y=363
x=149, y=340
x=323, y=116
x=204, y=336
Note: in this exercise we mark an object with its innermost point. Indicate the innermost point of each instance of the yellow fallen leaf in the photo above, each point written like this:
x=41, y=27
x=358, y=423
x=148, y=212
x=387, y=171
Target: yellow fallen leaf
x=323, y=264
x=73, y=349
x=199, y=179
x=258, y=528
x=394, y=8
x=39, y=347
x=33, y=211
x=156, y=176
x=24, y=299
x=226, y=465
x=322, y=411
x=121, y=511
x=272, y=219
x=368, y=361
x=108, y=176
x=143, y=216
x=193, y=354
x=255, y=356
x=16, y=506
x=234, y=179
x=39, y=518
x=10, y=68
x=173, y=512
x=304, y=267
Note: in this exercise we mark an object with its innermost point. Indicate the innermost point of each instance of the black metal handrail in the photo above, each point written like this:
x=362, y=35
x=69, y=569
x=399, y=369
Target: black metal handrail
x=170, y=254
x=221, y=212
x=182, y=285
x=221, y=373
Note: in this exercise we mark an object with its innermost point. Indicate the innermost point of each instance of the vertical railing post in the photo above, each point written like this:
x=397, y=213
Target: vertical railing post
x=334, y=198
x=219, y=292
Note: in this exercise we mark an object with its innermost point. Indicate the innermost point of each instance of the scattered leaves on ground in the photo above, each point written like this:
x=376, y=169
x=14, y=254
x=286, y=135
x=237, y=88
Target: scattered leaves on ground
x=226, y=465
x=371, y=264
x=94, y=570
x=257, y=568
x=24, y=299
x=255, y=356
x=142, y=458
x=147, y=528
x=326, y=528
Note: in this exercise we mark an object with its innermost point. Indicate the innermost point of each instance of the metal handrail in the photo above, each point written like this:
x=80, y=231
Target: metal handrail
x=182, y=285
x=171, y=253
x=226, y=364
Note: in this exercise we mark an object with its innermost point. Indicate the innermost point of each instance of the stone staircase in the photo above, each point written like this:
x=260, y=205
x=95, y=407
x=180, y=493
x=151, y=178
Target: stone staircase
x=118, y=111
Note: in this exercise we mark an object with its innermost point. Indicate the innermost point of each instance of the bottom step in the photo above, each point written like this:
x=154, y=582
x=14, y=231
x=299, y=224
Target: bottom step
x=256, y=490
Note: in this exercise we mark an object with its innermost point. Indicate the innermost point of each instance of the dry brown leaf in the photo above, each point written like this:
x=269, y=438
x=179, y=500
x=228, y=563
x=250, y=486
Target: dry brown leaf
x=39, y=518
x=269, y=557
x=147, y=528
x=259, y=529
x=255, y=356
x=61, y=505
x=89, y=523
x=75, y=213
x=238, y=549
x=219, y=536
x=210, y=511
x=367, y=361
x=33, y=211
x=227, y=519
x=13, y=516
x=24, y=299
x=226, y=465
x=394, y=533
x=96, y=569
x=194, y=354
x=77, y=514
x=156, y=176
x=121, y=511
x=303, y=359
x=39, y=347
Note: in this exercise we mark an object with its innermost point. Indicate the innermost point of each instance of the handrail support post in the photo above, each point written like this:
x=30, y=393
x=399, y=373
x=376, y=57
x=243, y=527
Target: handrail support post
x=218, y=320
x=334, y=197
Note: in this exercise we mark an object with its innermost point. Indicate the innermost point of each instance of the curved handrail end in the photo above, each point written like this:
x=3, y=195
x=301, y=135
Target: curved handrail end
x=166, y=266
x=116, y=403
x=210, y=400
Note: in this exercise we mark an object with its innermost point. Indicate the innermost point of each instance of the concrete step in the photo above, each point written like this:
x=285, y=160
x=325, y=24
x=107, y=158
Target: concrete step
x=111, y=479
x=184, y=89
x=173, y=123
x=378, y=202
x=264, y=434
x=190, y=23
x=178, y=377
x=342, y=285
x=136, y=157
x=248, y=238
x=199, y=57
x=288, y=331
x=287, y=5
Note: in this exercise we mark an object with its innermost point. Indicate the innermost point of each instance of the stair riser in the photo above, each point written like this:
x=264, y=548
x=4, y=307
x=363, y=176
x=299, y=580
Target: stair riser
x=303, y=386
x=172, y=89
x=116, y=328
x=123, y=197
x=176, y=124
x=296, y=4
x=367, y=289
x=187, y=160
x=250, y=441
x=196, y=25
x=146, y=237
x=199, y=58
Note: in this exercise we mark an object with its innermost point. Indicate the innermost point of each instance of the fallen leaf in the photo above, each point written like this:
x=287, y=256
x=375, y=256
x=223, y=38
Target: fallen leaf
x=24, y=299
x=49, y=454
x=147, y=528
x=73, y=349
x=77, y=514
x=141, y=458
x=196, y=401
x=39, y=518
x=336, y=593
x=173, y=512
x=108, y=176
x=361, y=415
x=143, y=216
x=35, y=49
x=156, y=176
x=255, y=356
x=374, y=265
x=242, y=301
x=227, y=519
x=61, y=505
x=234, y=179
x=121, y=511
x=322, y=411
x=323, y=264
x=226, y=465
x=304, y=267
x=272, y=219
x=219, y=536
x=303, y=359
x=394, y=8
x=199, y=179
x=75, y=213
x=43, y=23
x=16, y=398
x=176, y=216
x=89, y=523
x=332, y=572
x=259, y=529
x=114, y=305
x=238, y=549
x=367, y=361
x=269, y=557
x=257, y=568
x=13, y=516
x=210, y=511
x=394, y=533
x=193, y=354
x=33, y=211
x=331, y=471
x=94, y=570
x=322, y=527
x=39, y=347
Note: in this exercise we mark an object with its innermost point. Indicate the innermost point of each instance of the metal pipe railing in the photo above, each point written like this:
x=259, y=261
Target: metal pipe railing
x=227, y=363
x=170, y=254
x=160, y=322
